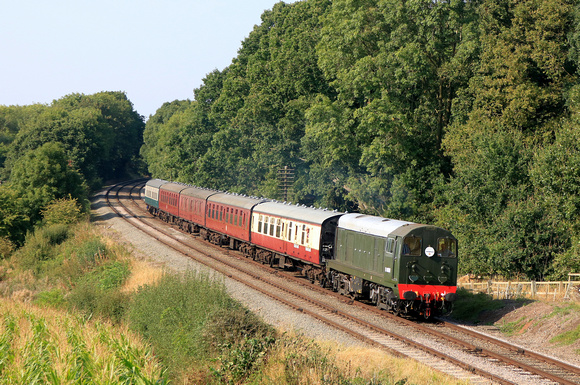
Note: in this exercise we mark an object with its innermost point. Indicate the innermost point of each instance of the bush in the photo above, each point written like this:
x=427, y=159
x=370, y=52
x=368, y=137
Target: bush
x=190, y=320
x=52, y=298
x=40, y=247
x=95, y=301
x=6, y=247
x=469, y=305
x=62, y=211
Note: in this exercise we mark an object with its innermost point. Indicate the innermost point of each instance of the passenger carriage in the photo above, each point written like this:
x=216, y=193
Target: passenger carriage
x=169, y=201
x=290, y=232
x=228, y=219
x=151, y=194
x=192, y=208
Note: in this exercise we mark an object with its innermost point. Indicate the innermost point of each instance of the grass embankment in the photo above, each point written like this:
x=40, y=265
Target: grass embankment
x=470, y=306
x=77, y=308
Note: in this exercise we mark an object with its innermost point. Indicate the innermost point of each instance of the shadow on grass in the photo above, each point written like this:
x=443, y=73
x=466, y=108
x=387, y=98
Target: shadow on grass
x=482, y=309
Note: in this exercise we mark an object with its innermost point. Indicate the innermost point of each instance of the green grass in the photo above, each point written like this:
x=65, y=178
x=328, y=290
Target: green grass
x=564, y=310
x=511, y=328
x=191, y=321
x=567, y=338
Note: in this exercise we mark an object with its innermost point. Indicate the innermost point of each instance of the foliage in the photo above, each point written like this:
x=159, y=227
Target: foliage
x=188, y=319
x=469, y=306
x=14, y=218
x=100, y=134
x=64, y=211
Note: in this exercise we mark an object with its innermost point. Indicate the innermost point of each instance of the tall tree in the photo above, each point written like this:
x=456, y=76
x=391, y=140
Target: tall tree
x=396, y=67
x=43, y=175
x=515, y=100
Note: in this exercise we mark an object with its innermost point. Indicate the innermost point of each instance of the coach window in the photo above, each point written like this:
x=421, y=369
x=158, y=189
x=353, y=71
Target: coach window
x=271, y=226
x=303, y=234
x=278, y=227
x=260, y=219
x=290, y=231
x=237, y=219
x=412, y=246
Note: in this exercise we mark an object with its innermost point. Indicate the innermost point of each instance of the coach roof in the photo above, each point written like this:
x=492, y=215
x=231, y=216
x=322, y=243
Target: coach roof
x=242, y=201
x=156, y=183
x=298, y=213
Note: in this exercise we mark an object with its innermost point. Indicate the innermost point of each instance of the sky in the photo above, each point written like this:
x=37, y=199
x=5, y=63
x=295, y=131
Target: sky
x=155, y=51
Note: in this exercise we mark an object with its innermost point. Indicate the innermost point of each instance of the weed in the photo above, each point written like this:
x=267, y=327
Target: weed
x=96, y=301
x=568, y=337
x=511, y=328
x=53, y=297
x=238, y=361
x=564, y=310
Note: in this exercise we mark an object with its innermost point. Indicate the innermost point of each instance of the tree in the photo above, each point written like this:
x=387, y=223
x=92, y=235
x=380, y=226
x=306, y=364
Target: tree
x=101, y=133
x=43, y=175
x=512, y=105
x=396, y=67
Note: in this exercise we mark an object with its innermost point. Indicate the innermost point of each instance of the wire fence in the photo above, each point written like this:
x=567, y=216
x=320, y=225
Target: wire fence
x=552, y=291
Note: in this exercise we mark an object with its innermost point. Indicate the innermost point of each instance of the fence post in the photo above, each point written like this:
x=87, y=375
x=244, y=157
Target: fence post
x=533, y=289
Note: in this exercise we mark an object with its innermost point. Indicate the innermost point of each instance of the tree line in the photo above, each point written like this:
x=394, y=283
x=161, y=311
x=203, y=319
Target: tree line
x=460, y=113
x=62, y=151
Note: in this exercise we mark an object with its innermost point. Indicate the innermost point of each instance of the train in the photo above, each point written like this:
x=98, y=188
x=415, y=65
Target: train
x=403, y=267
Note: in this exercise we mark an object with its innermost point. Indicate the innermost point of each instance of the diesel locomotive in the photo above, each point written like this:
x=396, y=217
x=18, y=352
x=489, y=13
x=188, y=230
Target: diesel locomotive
x=403, y=267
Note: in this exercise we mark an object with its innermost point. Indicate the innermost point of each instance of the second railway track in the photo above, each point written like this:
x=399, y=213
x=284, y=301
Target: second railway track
x=468, y=356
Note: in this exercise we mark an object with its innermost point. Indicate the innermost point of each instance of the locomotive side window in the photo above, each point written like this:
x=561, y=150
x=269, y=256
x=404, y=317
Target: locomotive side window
x=412, y=246
x=390, y=246
x=447, y=248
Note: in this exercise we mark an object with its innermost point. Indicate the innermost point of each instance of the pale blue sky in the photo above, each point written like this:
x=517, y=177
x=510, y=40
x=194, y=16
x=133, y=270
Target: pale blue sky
x=154, y=50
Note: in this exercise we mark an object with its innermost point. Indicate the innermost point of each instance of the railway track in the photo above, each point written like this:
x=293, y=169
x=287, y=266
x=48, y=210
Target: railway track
x=488, y=360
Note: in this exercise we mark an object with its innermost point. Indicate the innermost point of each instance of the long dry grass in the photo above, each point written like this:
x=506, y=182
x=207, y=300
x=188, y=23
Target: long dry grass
x=297, y=360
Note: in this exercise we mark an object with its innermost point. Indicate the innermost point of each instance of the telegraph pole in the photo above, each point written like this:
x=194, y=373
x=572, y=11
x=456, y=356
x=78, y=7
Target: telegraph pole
x=285, y=182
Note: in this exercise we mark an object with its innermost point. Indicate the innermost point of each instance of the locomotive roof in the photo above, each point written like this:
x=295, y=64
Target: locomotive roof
x=156, y=182
x=242, y=201
x=372, y=225
x=298, y=213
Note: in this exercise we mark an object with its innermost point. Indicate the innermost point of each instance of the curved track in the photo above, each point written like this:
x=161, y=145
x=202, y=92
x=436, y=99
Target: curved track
x=400, y=337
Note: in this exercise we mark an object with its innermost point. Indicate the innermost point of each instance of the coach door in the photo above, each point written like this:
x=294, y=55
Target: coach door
x=390, y=259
